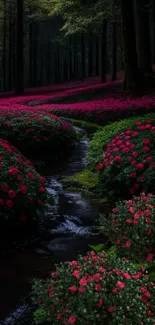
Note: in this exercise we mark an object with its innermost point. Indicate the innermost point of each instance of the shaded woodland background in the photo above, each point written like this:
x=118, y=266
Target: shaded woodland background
x=50, y=58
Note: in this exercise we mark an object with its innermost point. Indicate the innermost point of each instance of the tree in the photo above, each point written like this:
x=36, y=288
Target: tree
x=19, y=78
x=143, y=35
x=133, y=79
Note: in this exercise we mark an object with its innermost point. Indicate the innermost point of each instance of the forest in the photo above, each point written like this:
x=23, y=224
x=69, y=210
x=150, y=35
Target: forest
x=77, y=162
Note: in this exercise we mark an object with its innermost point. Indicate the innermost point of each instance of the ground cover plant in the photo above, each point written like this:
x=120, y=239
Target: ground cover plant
x=128, y=164
x=131, y=226
x=100, y=139
x=22, y=189
x=109, y=106
x=36, y=132
x=94, y=290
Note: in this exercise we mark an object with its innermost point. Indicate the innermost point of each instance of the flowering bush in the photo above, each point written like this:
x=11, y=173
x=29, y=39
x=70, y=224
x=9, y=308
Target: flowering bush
x=95, y=291
x=128, y=165
x=22, y=189
x=101, y=138
x=35, y=132
x=131, y=226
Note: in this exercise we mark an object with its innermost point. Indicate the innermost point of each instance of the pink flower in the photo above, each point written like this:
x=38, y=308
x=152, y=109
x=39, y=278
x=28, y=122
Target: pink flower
x=118, y=158
x=131, y=209
x=140, y=166
x=72, y=319
x=149, y=257
x=133, y=175
x=128, y=244
x=126, y=275
x=115, y=290
x=146, y=141
x=74, y=263
x=100, y=303
x=120, y=285
x=83, y=282
x=146, y=149
x=111, y=309
x=76, y=274
x=72, y=289
x=128, y=221
x=98, y=287
x=97, y=277
x=82, y=289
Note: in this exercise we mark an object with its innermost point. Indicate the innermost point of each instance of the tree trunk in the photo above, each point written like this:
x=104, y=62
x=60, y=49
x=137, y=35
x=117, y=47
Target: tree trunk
x=143, y=36
x=82, y=56
x=4, y=47
x=114, y=51
x=133, y=79
x=19, y=84
x=97, y=56
x=104, y=52
x=89, y=56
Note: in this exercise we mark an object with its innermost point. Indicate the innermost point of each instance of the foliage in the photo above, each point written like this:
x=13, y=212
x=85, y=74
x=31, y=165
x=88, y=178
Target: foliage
x=35, y=132
x=22, y=189
x=94, y=290
x=128, y=165
x=79, y=16
x=101, y=138
x=86, y=179
x=131, y=226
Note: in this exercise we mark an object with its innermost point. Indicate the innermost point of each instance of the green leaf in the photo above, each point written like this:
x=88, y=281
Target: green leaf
x=97, y=248
x=152, y=276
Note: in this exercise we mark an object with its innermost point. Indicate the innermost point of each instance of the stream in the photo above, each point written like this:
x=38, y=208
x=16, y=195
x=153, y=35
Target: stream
x=70, y=232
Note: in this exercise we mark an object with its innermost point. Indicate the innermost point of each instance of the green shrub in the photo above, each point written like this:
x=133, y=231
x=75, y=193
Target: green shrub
x=36, y=133
x=131, y=226
x=22, y=189
x=95, y=291
x=128, y=165
x=101, y=138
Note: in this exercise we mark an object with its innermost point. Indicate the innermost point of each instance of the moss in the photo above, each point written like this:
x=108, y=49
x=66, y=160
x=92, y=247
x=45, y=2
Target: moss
x=85, y=179
x=92, y=127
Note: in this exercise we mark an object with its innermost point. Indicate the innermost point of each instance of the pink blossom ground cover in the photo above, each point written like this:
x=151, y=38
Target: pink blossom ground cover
x=109, y=106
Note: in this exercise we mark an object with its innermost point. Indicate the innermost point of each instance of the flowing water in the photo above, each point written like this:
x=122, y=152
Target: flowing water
x=69, y=232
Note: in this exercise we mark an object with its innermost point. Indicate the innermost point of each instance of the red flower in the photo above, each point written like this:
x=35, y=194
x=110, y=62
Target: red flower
x=12, y=194
x=128, y=244
x=72, y=319
x=1, y=202
x=146, y=149
x=72, y=289
x=42, y=189
x=76, y=274
x=140, y=166
x=13, y=171
x=83, y=282
x=146, y=141
x=118, y=158
x=111, y=309
x=4, y=188
x=23, y=189
x=133, y=175
x=115, y=290
x=42, y=179
x=9, y=203
x=120, y=285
